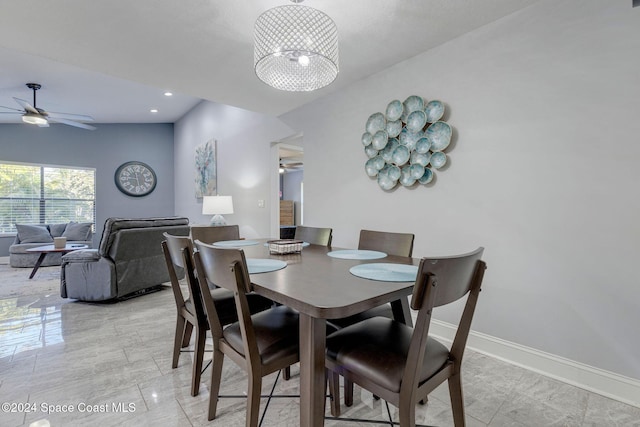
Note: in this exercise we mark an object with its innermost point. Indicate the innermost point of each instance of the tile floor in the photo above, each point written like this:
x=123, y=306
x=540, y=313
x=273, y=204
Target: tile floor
x=111, y=365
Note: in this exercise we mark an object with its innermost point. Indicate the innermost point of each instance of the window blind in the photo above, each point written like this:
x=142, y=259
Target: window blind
x=41, y=194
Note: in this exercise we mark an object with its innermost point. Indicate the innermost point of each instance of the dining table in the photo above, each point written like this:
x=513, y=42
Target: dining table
x=320, y=287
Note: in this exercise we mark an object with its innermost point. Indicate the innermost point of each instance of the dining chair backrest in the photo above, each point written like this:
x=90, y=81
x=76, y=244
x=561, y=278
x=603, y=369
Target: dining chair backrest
x=201, y=293
x=441, y=281
x=398, y=244
x=454, y=276
x=314, y=235
x=172, y=248
x=226, y=267
x=212, y=234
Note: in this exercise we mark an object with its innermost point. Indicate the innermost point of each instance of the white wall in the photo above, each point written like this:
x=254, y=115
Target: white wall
x=243, y=149
x=542, y=173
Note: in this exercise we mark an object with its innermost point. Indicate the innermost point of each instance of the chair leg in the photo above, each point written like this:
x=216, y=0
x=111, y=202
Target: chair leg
x=348, y=392
x=407, y=414
x=198, y=354
x=334, y=392
x=177, y=341
x=457, y=401
x=186, y=337
x=286, y=373
x=216, y=376
x=326, y=386
x=253, y=399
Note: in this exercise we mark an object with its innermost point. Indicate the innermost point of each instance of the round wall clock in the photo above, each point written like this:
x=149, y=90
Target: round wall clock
x=135, y=179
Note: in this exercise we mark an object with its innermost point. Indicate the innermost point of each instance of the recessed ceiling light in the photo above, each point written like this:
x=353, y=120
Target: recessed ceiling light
x=168, y=94
x=153, y=110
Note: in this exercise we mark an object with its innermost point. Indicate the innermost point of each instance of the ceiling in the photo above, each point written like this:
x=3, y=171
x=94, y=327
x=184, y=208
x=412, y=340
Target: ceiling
x=113, y=60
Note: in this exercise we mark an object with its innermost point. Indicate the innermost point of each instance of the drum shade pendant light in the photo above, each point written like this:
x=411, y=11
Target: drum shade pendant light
x=295, y=48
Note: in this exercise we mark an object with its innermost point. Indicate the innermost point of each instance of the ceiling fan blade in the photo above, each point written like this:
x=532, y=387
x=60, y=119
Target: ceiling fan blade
x=12, y=112
x=291, y=161
x=72, y=123
x=69, y=116
x=12, y=109
x=27, y=107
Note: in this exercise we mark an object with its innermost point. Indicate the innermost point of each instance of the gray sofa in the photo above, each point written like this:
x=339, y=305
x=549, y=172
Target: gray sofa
x=129, y=259
x=34, y=235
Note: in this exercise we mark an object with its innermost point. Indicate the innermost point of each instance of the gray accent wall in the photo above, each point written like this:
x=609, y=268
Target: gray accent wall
x=543, y=172
x=104, y=149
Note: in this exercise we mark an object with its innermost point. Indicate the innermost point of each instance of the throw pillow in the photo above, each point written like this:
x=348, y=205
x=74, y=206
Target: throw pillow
x=56, y=230
x=77, y=231
x=33, y=234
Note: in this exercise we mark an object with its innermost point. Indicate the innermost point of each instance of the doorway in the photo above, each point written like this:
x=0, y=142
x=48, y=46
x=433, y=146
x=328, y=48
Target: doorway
x=287, y=207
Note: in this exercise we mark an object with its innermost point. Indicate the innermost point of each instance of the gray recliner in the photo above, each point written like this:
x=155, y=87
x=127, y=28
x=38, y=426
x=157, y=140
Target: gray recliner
x=129, y=259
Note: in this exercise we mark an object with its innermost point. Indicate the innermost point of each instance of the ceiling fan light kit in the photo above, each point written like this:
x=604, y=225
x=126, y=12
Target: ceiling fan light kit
x=33, y=115
x=296, y=48
x=34, y=119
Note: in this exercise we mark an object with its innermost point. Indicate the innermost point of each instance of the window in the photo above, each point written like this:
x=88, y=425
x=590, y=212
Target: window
x=40, y=194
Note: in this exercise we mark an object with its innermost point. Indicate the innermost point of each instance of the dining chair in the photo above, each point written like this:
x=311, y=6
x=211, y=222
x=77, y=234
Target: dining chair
x=260, y=343
x=190, y=314
x=398, y=244
x=402, y=364
x=212, y=234
x=314, y=235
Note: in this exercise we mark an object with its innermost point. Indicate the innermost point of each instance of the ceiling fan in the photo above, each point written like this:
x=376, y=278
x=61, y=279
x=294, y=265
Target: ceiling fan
x=37, y=116
x=290, y=164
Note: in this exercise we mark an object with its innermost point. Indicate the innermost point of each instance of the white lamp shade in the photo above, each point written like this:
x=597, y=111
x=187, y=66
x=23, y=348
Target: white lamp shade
x=217, y=205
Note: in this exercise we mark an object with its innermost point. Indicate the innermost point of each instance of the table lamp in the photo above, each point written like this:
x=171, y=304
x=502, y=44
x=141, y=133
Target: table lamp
x=216, y=206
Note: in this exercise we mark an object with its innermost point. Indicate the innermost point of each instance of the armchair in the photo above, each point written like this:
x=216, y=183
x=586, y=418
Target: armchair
x=129, y=259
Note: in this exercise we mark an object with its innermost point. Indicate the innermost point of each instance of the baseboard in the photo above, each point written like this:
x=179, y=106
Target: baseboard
x=605, y=383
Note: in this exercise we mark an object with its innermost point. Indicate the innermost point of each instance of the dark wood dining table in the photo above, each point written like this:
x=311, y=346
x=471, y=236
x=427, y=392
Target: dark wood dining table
x=320, y=287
